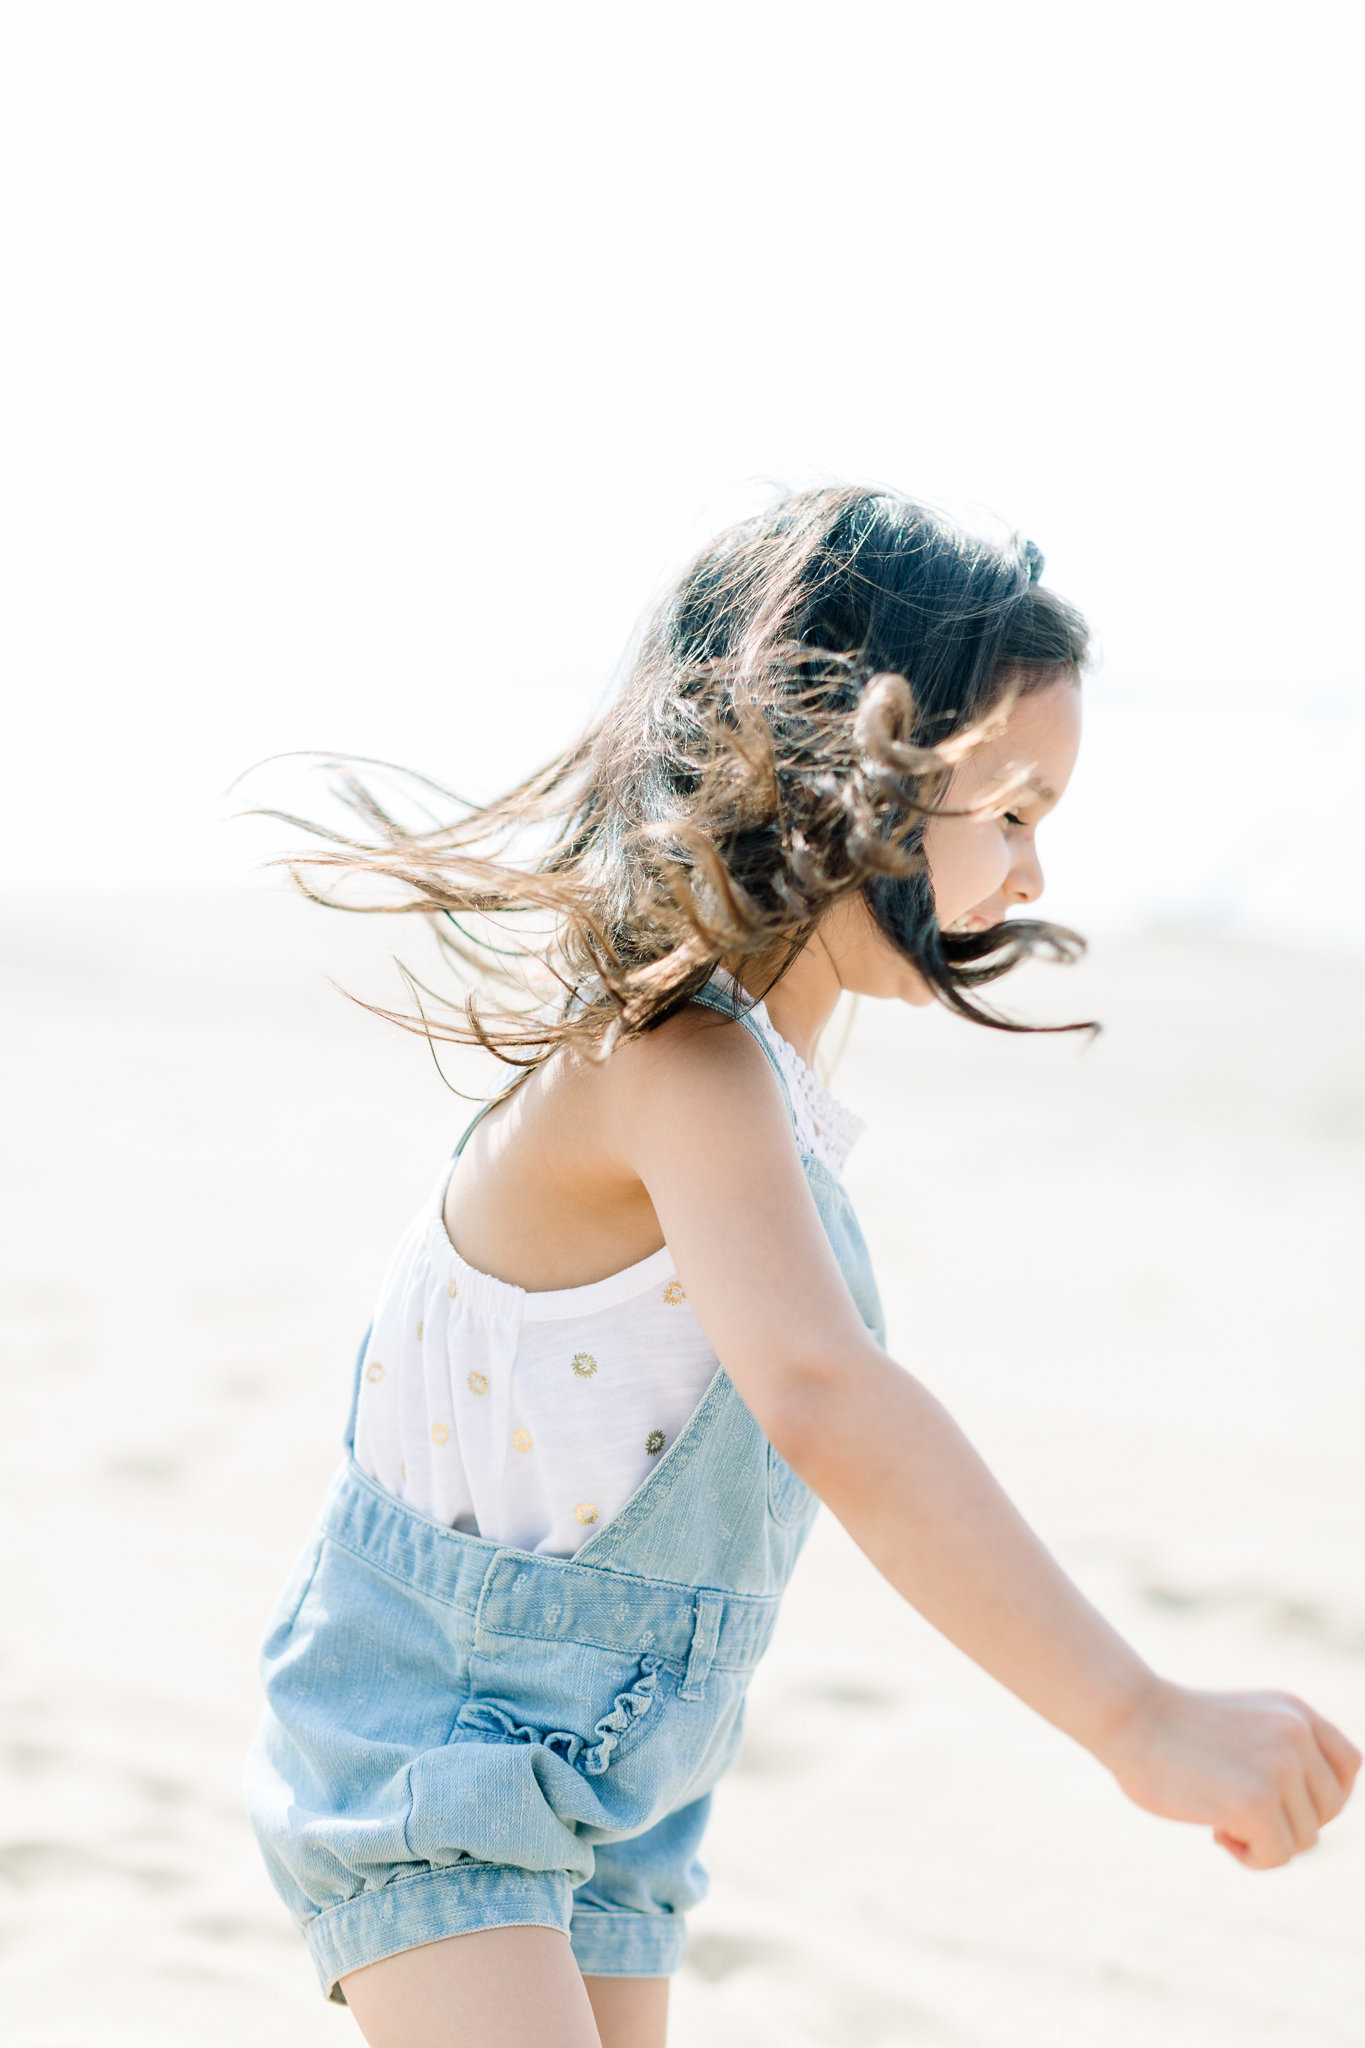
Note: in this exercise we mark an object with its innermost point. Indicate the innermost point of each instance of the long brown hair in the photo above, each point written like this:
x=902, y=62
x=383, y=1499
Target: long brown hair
x=792, y=719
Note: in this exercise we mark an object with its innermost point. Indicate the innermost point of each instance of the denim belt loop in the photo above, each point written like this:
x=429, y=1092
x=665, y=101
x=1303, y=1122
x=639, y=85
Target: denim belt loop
x=705, y=1636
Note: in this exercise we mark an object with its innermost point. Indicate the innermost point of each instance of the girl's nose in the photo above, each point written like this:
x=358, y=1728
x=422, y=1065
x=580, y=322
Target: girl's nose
x=1025, y=884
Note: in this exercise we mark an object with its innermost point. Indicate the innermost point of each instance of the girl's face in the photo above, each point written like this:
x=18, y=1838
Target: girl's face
x=984, y=862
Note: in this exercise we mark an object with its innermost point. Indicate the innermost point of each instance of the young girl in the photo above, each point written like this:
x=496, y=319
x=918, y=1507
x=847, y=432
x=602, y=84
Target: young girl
x=633, y=1338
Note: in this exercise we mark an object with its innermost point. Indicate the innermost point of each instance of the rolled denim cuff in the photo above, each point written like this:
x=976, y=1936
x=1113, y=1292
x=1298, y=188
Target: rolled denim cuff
x=411, y=1911
x=627, y=1944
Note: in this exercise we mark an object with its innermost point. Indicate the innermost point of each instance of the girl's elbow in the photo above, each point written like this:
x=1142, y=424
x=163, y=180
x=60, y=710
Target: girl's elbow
x=807, y=1408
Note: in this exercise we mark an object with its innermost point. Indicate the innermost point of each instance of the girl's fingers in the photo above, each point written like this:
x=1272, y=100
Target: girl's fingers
x=1341, y=1753
x=1265, y=1839
x=1325, y=1789
x=1315, y=1771
x=1273, y=1842
x=1301, y=1817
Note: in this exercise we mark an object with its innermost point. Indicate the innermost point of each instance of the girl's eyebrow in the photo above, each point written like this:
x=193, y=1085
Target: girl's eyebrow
x=1042, y=792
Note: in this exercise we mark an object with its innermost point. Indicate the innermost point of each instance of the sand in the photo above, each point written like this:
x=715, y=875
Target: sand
x=1133, y=1272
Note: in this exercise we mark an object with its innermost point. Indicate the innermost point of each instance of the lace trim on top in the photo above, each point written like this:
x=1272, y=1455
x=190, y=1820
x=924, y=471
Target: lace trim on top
x=827, y=1127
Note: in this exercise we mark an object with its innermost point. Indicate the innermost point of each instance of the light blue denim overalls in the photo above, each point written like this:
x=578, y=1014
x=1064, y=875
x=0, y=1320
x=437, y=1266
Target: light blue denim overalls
x=459, y=1736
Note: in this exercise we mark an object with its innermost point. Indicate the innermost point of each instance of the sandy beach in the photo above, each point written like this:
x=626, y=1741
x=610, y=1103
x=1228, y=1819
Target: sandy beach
x=1131, y=1269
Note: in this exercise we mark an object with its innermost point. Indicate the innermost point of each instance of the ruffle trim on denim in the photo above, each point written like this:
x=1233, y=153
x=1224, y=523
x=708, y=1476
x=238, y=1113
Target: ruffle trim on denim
x=491, y=1717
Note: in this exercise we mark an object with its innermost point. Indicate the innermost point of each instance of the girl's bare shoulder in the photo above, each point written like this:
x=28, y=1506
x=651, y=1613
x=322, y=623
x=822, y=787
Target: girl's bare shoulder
x=697, y=1075
x=556, y=1187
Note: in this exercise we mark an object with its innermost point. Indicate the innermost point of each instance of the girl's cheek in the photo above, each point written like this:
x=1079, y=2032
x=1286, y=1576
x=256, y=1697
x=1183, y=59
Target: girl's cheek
x=968, y=863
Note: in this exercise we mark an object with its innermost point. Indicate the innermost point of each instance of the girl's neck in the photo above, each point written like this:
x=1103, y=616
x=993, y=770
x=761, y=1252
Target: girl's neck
x=803, y=1001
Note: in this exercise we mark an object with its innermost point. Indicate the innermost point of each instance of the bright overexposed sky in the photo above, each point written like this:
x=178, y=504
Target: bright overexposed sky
x=367, y=366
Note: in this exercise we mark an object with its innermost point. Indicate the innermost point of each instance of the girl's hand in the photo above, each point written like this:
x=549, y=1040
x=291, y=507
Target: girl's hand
x=1260, y=1768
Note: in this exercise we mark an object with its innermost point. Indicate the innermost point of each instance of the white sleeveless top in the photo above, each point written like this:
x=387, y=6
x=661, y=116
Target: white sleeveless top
x=530, y=1419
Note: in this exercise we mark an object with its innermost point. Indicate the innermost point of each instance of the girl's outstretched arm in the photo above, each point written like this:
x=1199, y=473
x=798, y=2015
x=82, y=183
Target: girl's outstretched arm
x=693, y=1112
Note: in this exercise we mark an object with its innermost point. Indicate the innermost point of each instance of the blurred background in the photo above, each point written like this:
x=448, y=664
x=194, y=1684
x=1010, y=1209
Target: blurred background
x=365, y=372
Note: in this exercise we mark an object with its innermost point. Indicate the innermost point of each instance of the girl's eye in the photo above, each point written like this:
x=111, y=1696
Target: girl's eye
x=1011, y=818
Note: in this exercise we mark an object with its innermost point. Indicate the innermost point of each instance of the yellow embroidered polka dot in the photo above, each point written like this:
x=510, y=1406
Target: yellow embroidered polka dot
x=420, y=1328
x=478, y=1383
x=440, y=1434
x=522, y=1440
x=673, y=1293
x=374, y=1370
x=655, y=1442
x=452, y=1290
x=584, y=1364
x=585, y=1512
